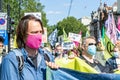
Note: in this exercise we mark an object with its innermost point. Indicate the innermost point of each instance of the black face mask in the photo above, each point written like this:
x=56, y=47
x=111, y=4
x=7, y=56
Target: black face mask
x=57, y=54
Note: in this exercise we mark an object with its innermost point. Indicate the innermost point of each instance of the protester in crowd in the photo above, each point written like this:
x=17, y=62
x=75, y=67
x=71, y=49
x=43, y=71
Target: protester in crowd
x=73, y=53
x=114, y=61
x=58, y=51
x=100, y=53
x=118, y=43
x=99, y=46
x=88, y=53
x=29, y=37
x=76, y=48
x=1, y=48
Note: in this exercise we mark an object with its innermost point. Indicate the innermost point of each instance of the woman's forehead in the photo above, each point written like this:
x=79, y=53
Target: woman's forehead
x=34, y=25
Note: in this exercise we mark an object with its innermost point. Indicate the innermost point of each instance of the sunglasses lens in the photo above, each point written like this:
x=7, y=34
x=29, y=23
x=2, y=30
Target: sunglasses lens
x=91, y=44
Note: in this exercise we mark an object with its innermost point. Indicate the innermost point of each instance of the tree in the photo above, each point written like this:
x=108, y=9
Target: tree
x=19, y=7
x=51, y=29
x=71, y=24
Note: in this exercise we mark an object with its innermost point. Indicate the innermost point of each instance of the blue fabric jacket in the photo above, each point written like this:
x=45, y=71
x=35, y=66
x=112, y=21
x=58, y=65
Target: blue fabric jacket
x=9, y=67
x=111, y=63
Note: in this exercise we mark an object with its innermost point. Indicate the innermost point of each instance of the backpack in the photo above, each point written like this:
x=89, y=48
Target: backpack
x=20, y=59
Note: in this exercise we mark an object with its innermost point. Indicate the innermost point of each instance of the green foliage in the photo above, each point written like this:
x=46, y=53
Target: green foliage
x=19, y=7
x=71, y=24
x=50, y=29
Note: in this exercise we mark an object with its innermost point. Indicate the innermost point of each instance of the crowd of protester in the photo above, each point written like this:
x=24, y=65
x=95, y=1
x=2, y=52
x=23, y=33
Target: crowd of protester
x=36, y=59
x=92, y=52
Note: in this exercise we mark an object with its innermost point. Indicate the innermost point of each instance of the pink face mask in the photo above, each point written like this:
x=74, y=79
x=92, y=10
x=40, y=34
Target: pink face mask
x=34, y=41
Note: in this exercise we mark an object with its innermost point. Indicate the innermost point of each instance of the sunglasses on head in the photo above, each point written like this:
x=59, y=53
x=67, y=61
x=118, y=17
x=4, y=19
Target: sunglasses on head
x=92, y=44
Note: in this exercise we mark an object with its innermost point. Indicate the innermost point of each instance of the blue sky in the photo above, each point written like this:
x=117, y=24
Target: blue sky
x=57, y=10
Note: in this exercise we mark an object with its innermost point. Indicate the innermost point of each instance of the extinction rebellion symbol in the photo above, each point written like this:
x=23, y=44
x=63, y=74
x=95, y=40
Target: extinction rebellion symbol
x=2, y=21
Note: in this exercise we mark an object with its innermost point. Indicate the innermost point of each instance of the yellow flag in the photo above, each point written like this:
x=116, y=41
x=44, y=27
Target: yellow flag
x=75, y=64
x=15, y=44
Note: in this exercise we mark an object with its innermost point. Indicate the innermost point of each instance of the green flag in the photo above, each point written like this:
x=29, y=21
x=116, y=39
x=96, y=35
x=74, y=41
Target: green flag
x=65, y=38
x=87, y=33
x=108, y=47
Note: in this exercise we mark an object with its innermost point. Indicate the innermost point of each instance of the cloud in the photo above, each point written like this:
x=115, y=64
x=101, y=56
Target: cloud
x=54, y=12
x=67, y=4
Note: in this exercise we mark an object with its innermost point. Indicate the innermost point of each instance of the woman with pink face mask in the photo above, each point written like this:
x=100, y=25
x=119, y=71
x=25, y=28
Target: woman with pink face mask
x=29, y=38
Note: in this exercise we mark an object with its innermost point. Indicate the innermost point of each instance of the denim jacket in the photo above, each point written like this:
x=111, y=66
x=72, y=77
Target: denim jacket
x=111, y=63
x=9, y=67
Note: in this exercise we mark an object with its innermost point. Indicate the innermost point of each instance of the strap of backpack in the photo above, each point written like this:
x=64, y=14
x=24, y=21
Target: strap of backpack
x=46, y=56
x=20, y=59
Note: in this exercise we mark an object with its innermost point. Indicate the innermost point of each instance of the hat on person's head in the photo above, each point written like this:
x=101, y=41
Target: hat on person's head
x=57, y=44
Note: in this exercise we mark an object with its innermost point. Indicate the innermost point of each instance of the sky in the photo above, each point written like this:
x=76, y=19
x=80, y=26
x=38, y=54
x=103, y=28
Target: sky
x=57, y=10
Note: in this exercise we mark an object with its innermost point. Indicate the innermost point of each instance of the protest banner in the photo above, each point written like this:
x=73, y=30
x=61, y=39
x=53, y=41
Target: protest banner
x=74, y=37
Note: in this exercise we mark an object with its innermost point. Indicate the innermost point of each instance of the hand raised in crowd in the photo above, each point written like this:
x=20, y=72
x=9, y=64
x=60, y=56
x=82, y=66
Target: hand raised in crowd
x=52, y=65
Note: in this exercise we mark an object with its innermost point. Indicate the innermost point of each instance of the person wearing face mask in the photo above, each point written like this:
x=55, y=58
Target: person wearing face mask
x=114, y=61
x=88, y=53
x=58, y=51
x=28, y=39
